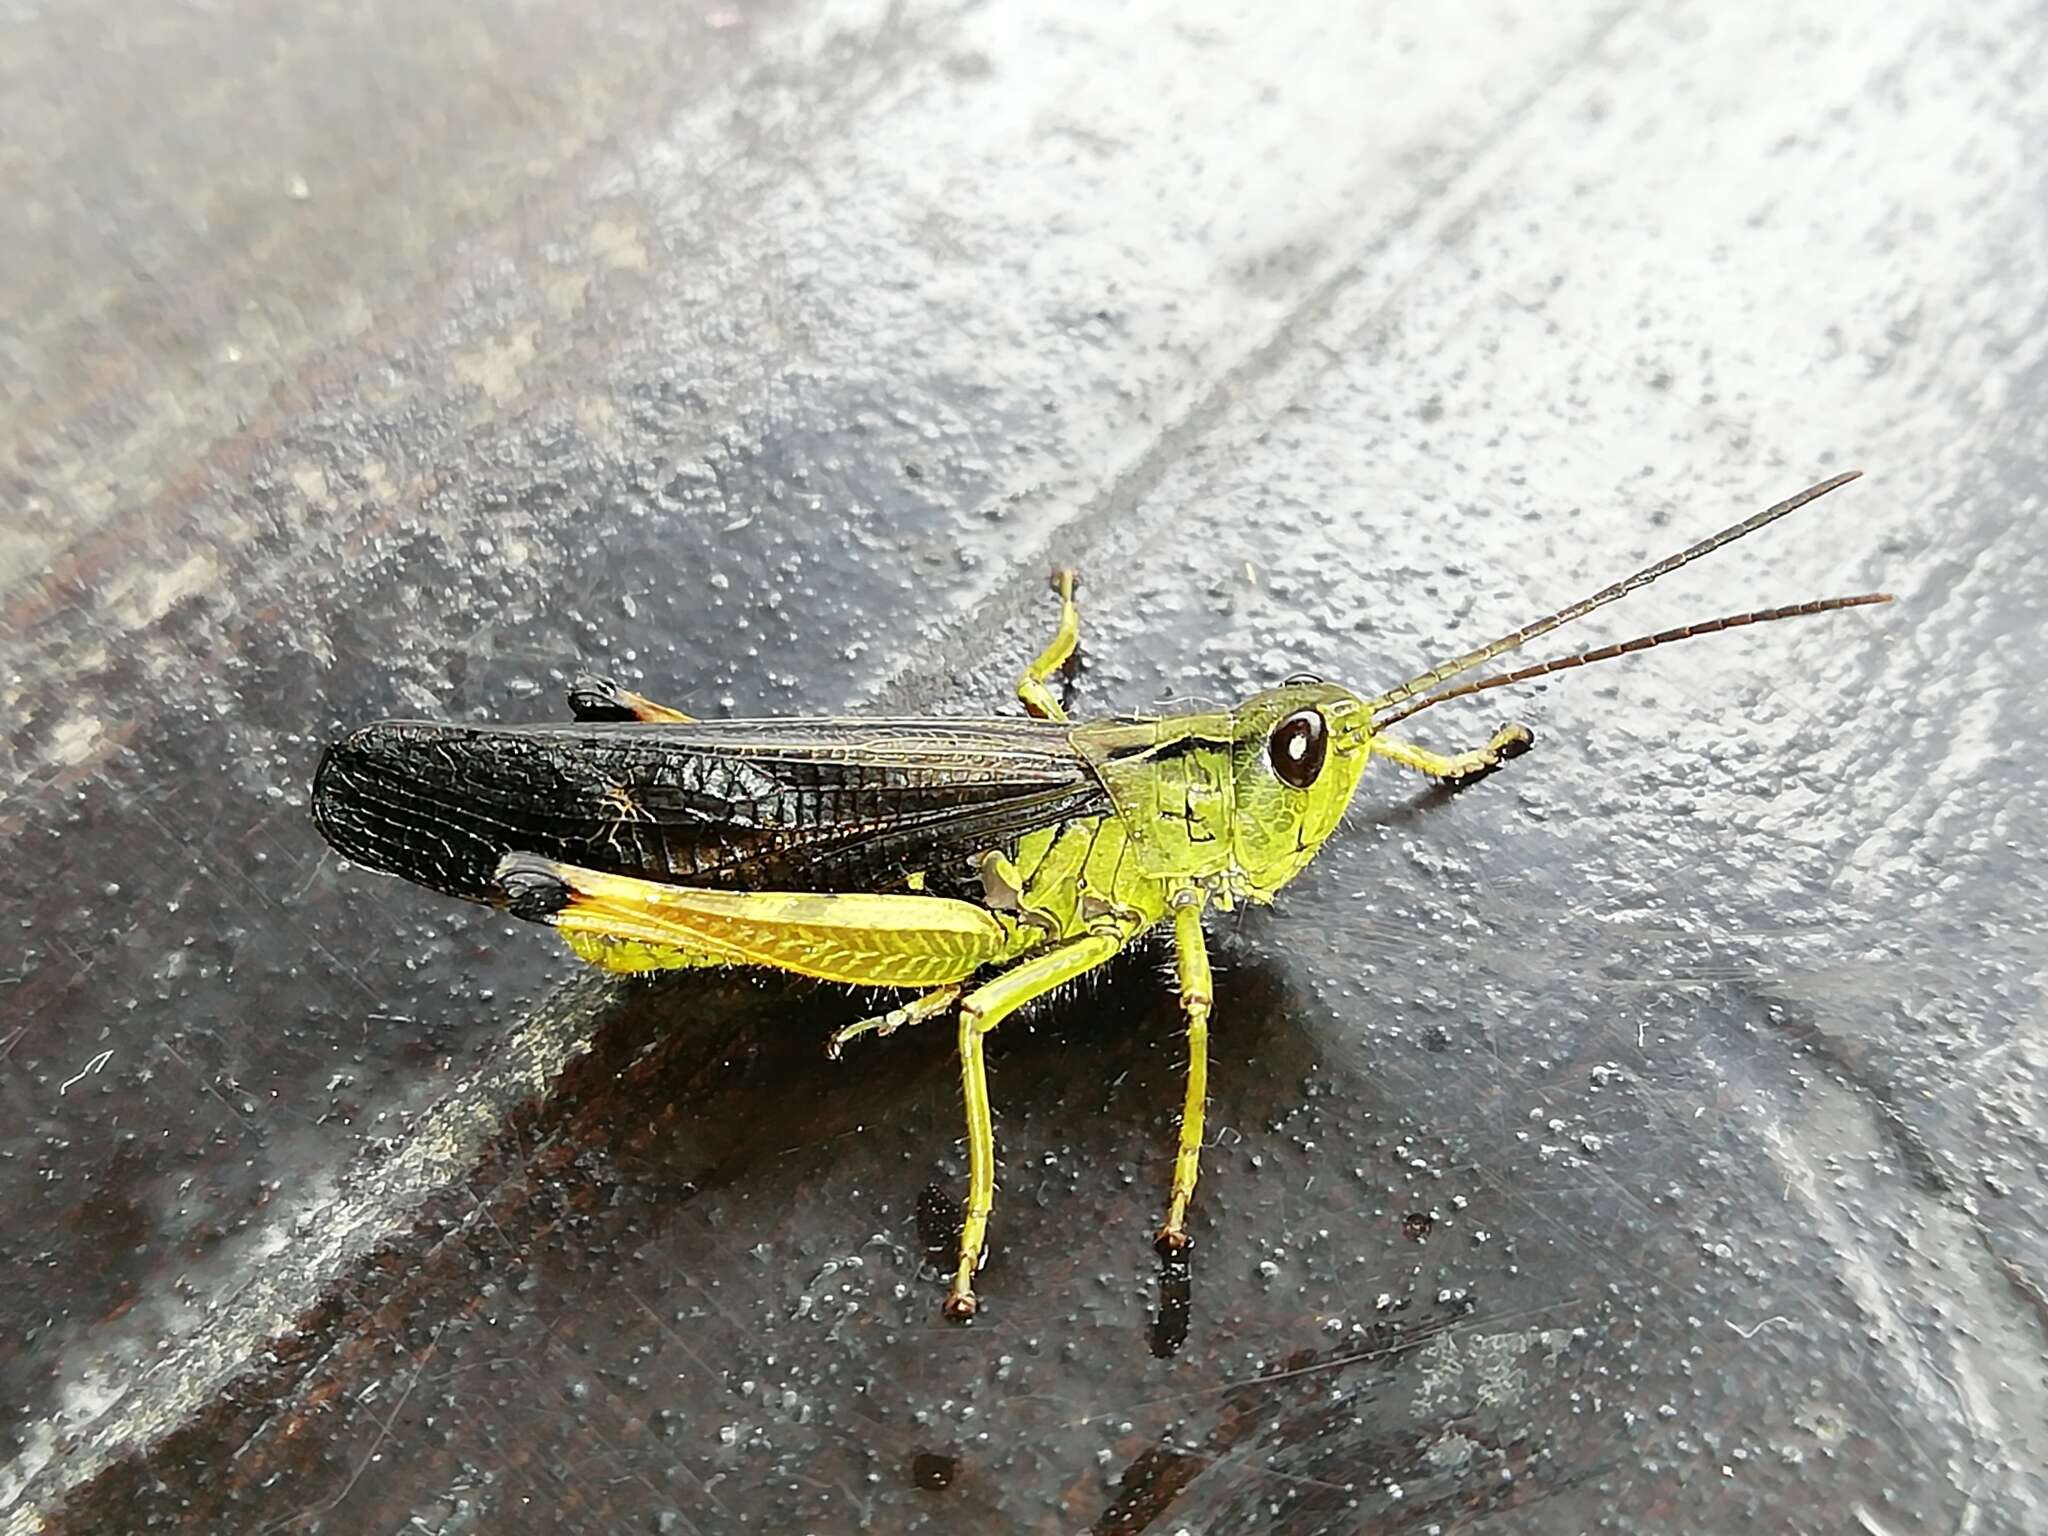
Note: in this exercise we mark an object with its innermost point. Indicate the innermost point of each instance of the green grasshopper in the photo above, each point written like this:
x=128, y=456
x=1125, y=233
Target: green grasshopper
x=976, y=864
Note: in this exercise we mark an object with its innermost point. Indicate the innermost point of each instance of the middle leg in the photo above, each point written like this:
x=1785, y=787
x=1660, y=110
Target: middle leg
x=926, y=1006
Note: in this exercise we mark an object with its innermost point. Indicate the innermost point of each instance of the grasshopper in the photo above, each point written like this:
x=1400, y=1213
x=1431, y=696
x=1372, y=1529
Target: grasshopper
x=974, y=864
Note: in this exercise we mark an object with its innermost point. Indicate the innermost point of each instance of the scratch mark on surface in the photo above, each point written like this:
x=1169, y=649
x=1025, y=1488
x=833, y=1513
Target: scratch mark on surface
x=98, y=1063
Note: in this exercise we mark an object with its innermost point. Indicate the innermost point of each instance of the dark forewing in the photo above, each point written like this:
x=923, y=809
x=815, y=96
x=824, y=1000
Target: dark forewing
x=816, y=805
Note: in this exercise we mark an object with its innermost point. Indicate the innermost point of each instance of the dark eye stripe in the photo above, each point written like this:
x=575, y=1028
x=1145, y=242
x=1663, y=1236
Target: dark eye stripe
x=1298, y=746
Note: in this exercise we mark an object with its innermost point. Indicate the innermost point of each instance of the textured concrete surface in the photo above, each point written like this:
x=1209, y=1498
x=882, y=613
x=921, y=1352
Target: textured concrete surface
x=1651, y=1138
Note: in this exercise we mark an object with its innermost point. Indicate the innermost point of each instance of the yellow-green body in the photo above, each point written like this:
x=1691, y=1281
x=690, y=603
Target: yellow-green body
x=1199, y=815
x=1196, y=814
x=1096, y=832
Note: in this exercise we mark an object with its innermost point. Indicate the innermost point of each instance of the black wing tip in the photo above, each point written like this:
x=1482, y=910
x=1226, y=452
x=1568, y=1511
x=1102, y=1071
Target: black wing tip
x=347, y=764
x=533, y=887
x=332, y=797
x=365, y=799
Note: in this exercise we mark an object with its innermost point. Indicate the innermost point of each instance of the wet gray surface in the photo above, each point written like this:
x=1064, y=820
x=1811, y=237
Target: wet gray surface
x=1650, y=1138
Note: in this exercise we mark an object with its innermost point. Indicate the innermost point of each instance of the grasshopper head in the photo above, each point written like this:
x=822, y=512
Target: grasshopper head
x=1297, y=752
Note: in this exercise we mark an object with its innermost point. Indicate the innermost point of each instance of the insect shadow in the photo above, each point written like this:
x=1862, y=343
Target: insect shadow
x=718, y=1086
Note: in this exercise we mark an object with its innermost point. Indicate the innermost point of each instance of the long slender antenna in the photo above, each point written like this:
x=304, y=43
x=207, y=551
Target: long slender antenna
x=1630, y=647
x=1449, y=669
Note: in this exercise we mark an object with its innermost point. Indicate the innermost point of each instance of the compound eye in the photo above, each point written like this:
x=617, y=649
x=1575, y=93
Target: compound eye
x=1296, y=679
x=1298, y=746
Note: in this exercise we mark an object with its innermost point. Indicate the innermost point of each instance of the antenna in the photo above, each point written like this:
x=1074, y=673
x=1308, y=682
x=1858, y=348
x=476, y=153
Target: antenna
x=1630, y=647
x=1449, y=669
